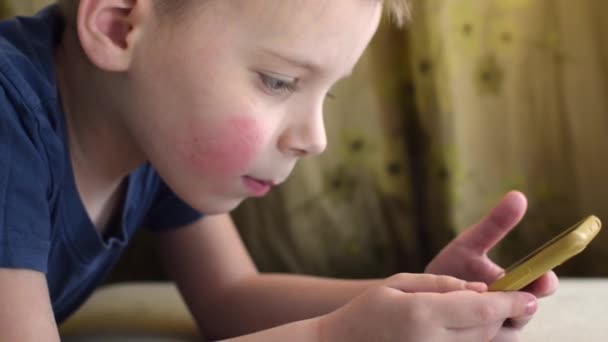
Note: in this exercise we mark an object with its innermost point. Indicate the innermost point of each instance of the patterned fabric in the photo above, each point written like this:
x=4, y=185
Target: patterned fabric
x=21, y=7
x=474, y=98
x=512, y=94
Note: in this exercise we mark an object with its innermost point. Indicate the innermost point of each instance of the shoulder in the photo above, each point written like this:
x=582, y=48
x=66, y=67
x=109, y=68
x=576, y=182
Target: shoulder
x=27, y=57
x=30, y=114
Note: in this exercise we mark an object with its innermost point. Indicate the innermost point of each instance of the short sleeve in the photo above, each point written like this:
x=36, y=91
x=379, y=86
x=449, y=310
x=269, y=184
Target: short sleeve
x=168, y=211
x=24, y=184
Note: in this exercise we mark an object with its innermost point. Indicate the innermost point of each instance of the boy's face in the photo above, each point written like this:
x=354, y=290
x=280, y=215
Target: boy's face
x=227, y=100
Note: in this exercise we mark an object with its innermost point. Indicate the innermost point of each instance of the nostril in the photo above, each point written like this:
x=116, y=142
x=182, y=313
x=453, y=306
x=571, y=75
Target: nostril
x=298, y=152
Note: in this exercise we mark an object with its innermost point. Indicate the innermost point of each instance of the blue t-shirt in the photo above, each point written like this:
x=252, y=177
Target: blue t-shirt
x=43, y=223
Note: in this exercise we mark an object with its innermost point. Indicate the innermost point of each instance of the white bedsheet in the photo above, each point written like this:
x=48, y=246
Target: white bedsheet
x=578, y=312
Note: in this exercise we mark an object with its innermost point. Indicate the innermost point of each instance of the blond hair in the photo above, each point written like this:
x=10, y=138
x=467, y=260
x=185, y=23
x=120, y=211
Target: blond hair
x=397, y=10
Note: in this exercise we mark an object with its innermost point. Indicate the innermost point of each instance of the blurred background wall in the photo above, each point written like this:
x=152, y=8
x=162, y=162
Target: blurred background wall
x=472, y=99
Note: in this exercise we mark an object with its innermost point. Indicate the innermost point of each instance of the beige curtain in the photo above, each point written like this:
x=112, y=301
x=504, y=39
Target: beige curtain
x=474, y=98
x=20, y=7
x=514, y=95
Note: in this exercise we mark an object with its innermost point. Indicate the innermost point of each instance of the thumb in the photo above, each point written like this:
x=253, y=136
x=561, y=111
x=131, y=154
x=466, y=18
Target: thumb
x=484, y=235
x=410, y=283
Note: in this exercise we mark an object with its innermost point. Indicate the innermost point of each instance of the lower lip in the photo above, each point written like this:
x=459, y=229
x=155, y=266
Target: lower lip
x=256, y=188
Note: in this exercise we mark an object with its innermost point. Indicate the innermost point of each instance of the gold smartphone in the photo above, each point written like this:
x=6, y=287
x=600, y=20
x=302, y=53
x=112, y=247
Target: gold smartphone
x=553, y=253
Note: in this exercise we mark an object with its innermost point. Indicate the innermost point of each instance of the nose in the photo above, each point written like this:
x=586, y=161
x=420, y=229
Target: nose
x=304, y=135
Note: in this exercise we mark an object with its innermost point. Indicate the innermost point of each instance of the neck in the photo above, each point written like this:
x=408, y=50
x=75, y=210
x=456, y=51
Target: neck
x=101, y=148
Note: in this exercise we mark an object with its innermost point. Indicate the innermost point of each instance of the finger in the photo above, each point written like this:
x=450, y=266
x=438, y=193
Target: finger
x=470, y=309
x=500, y=221
x=517, y=323
x=507, y=335
x=483, y=333
x=544, y=286
x=408, y=282
x=486, y=270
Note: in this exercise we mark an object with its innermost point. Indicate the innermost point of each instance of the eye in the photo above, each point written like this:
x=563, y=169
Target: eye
x=278, y=86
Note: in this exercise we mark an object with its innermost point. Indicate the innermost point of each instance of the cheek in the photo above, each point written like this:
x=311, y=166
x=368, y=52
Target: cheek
x=223, y=149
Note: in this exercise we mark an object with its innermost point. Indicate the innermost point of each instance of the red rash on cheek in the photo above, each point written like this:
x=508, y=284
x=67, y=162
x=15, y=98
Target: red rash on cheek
x=221, y=149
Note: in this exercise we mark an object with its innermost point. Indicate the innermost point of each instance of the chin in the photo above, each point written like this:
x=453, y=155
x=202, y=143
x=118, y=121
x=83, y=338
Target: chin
x=217, y=206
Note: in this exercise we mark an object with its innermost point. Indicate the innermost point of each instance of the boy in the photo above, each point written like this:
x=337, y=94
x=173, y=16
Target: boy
x=118, y=113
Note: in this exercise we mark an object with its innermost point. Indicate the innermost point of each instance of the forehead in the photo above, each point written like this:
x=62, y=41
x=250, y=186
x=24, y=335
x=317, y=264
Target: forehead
x=301, y=12
x=331, y=30
x=305, y=14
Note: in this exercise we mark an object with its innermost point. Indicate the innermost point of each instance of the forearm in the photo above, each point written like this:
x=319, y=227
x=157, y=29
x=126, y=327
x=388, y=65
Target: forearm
x=301, y=331
x=264, y=301
x=25, y=308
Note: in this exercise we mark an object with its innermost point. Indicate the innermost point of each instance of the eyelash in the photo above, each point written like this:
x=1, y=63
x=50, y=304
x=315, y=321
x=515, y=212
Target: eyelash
x=282, y=87
x=286, y=86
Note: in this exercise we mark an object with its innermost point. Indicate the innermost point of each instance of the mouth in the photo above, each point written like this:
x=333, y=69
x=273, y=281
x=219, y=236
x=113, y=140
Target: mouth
x=257, y=187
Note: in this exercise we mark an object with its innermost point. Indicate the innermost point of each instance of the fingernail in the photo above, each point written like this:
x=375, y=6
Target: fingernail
x=531, y=307
x=476, y=286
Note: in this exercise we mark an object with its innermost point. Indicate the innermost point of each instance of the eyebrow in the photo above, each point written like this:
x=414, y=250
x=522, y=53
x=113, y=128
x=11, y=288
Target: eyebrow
x=298, y=61
x=294, y=60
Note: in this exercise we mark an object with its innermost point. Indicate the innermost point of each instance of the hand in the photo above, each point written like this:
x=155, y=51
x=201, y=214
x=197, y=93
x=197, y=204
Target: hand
x=466, y=257
x=391, y=312
x=412, y=282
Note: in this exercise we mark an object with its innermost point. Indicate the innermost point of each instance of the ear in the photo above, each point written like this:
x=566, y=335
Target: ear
x=108, y=31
